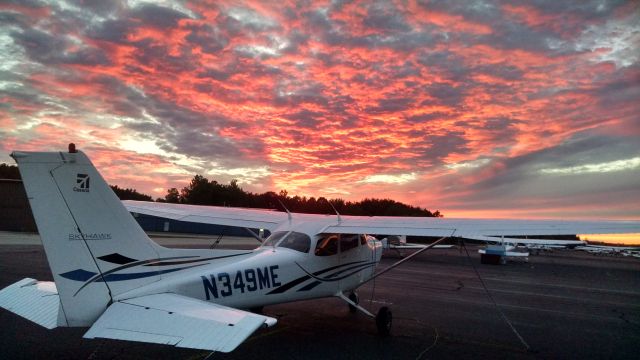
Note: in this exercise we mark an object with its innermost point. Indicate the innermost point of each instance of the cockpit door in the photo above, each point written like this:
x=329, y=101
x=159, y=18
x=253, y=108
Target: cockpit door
x=351, y=259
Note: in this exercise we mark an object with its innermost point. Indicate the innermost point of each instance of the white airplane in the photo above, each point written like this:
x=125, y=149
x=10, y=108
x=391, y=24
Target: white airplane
x=399, y=243
x=501, y=253
x=109, y=276
x=504, y=248
x=608, y=250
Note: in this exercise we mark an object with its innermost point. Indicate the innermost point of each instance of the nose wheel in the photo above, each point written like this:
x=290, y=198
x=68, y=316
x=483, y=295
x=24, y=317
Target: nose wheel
x=383, y=321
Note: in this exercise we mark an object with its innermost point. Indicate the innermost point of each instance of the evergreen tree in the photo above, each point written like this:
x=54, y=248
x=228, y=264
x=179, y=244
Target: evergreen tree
x=201, y=191
x=9, y=172
x=130, y=194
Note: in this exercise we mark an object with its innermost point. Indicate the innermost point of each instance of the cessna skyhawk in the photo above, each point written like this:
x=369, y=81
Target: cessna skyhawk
x=109, y=276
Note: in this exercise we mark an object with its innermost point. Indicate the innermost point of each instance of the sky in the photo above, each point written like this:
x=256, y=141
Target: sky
x=525, y=109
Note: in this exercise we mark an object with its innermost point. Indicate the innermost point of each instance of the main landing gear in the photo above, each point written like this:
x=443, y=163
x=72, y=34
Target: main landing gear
x=383, y=319
x=353, y=297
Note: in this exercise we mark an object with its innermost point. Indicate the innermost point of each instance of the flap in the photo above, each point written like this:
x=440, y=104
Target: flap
x=177, y=320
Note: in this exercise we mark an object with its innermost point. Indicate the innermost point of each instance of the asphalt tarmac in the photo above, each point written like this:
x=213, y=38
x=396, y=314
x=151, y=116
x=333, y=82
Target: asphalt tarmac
x=564, y=304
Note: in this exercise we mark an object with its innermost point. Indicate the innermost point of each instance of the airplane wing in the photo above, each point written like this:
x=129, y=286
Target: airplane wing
x=409, y=246
x=479, y=229
x=177, y=320
x=240, y=217
x=518, y=241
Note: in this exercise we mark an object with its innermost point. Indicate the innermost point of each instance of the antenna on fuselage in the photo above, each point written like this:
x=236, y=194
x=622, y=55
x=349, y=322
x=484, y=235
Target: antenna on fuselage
x=287, y=210
x=334, y=209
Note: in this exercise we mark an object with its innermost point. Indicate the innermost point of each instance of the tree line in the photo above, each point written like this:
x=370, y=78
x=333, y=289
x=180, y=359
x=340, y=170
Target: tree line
x=9, y=172
x=202, y=191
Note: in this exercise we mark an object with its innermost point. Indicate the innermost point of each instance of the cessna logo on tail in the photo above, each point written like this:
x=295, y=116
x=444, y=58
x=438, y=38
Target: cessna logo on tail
x=82, y=181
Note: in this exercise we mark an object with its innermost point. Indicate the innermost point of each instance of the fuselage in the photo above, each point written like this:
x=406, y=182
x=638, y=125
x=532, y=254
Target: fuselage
x=289, y=266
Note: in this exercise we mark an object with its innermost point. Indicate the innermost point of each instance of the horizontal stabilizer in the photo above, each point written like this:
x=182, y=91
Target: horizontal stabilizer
x=34, y=300
x=177, y=320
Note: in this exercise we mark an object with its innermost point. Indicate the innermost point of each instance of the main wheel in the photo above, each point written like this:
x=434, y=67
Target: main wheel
x=383, y=321
x=353, y=297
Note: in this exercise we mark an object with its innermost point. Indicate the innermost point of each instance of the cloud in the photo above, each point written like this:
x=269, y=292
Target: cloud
x=384, y=16
x=578, y=152
x=444, y=94
x=50, y=50
x=606, y=167
x=247, y=18
x=389, y=179
x=390, y=105
x=210, y=39
x=450, y=105
x=157, y=16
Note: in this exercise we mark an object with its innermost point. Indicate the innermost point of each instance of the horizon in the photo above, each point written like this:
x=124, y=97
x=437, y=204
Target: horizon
x=484, y=109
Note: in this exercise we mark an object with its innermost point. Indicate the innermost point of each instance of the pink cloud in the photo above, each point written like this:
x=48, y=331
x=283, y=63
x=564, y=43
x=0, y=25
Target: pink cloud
x=325, y=96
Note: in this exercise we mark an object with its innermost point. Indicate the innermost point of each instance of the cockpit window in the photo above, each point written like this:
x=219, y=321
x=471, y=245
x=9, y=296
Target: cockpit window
x=297, y=241
x=327, y=246
x=348, y=242
x=274, y=238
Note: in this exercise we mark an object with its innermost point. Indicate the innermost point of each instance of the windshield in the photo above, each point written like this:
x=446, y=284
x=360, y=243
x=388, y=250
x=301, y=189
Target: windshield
x=297, y=241
x=273, y=239
x=290, y=240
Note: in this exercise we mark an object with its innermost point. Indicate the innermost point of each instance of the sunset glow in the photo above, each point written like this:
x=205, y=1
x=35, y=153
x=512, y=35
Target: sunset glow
x=626, y=239
x=474, y=108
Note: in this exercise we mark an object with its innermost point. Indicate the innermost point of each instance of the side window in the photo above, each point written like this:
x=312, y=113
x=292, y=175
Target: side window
x=327, y=245
x=348, y=242
x=297, y=241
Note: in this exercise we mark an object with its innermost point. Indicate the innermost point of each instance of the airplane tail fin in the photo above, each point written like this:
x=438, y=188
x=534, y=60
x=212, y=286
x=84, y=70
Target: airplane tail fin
x=90, y=239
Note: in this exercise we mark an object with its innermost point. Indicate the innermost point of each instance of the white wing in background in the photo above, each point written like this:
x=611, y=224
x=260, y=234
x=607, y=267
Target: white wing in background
x=480, y=229
x=240, y=217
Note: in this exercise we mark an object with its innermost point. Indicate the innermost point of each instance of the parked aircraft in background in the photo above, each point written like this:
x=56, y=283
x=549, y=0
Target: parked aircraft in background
x=109, y=276
x=398, y=243
x=499, y=254
x=503, y=249
x=610, y=250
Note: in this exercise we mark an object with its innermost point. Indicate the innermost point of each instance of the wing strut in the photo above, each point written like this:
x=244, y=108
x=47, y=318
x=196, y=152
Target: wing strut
x=430, y=246
x=287, y=210
x=254, y=235
x=350, y=302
